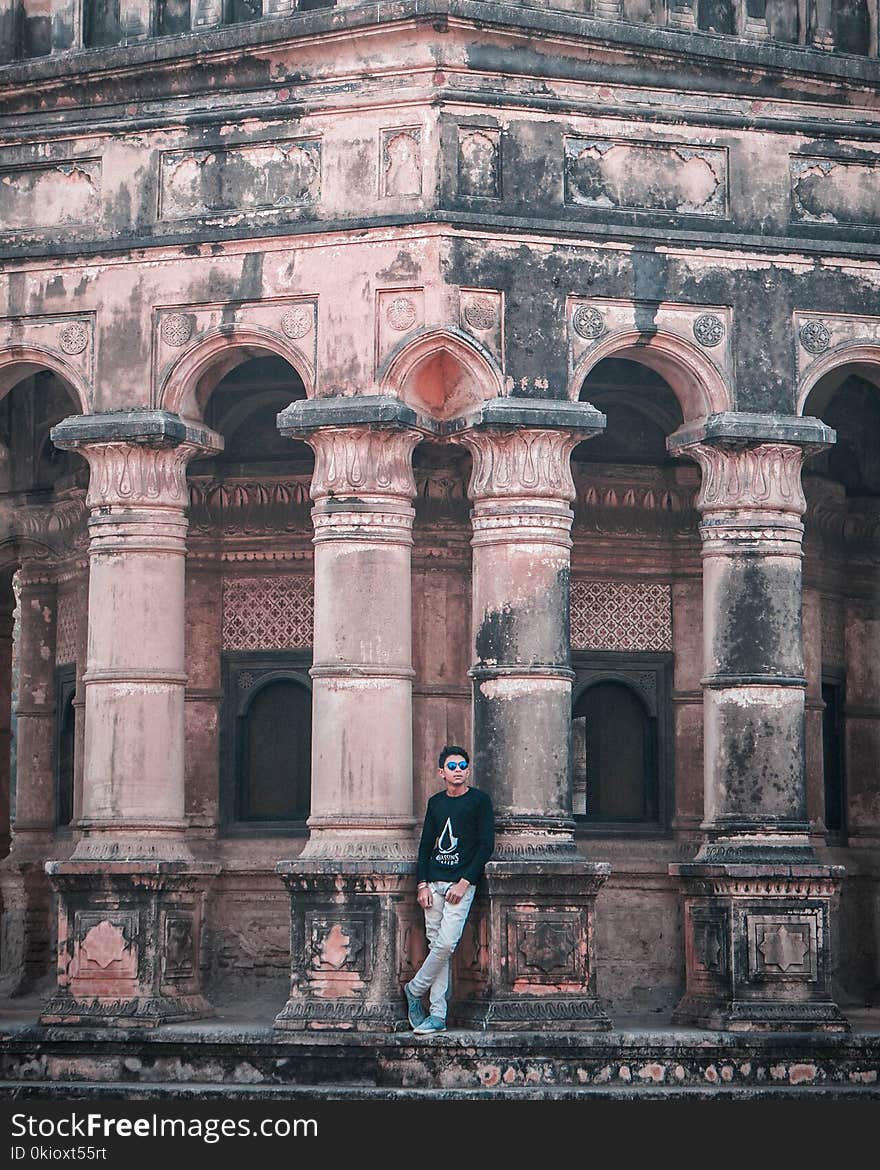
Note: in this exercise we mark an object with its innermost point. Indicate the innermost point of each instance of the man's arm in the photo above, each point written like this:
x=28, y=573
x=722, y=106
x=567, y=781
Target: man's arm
x=485, y=841
x=426, y=844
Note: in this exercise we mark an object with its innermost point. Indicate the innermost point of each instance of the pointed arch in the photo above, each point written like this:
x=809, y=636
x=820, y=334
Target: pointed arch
x=441, y=372
x=187, y=385
x=697, y=383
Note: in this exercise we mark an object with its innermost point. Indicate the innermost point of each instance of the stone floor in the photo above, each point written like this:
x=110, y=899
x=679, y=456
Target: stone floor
x=238, y=1055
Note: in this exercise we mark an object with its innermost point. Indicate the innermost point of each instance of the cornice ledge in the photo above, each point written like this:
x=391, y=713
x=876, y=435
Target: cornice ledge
x=697, y=44
x=158, y=428
x=742, y=428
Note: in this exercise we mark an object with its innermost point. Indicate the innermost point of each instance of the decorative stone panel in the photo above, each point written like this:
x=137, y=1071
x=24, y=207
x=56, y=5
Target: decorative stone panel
x=268, y=613
x=481, y=313
x=621, y=615
x=833, y=632
x=834, y=191
x=820, y=334
x=71, y=338
x=399, y=312
x=479, y=162
x=58, y=195
x=400, y=166
x=66, y=629
x=283, y=175
x=291, y=321
x=593, y=321
x=609, y=174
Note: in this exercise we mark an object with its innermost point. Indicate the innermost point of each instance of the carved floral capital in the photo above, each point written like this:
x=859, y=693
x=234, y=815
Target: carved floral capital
x=765, y=477
x=523, y=462
x=363, y=462
x=136, y=475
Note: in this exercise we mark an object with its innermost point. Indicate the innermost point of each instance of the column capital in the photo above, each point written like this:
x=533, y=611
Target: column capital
x=751, y=463
x=137, y=458
x=363, y=445
x=522, y=447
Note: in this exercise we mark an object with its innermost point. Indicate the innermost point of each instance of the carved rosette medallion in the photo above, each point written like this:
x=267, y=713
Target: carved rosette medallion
x=531, y=463
x=74, y=337
x=297, y=323
x=588, y=322
x=480, y=314
x=815, y=336
x=401, y=314
x=176, y=329
x=709, y=330
x=357, y=461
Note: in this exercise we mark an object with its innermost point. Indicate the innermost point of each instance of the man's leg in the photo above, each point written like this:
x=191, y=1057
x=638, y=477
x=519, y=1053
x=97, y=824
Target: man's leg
x=424, y=978
x=447, y=939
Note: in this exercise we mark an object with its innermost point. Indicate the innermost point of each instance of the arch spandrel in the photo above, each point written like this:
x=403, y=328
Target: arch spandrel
x=187, y=385
x=441, y=373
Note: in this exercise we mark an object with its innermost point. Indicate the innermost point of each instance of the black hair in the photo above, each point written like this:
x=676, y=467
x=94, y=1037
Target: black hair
x=452, y=749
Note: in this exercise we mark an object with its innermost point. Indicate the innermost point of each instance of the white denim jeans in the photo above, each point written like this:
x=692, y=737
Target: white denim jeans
x=444, y=924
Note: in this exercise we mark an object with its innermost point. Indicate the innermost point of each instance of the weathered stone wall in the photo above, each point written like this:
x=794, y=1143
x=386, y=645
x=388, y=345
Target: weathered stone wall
x=553, y=192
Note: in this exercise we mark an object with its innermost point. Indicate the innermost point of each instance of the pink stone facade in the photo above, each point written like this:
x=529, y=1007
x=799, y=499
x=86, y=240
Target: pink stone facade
x=360, y=394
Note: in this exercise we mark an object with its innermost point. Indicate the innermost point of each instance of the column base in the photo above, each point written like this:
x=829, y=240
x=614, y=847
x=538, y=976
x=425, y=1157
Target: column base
x=352, y=925
x=526, y=961
x=758, y=948
x=128, y=943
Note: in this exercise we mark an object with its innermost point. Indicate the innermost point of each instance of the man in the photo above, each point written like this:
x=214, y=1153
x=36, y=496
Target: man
x=457, y=840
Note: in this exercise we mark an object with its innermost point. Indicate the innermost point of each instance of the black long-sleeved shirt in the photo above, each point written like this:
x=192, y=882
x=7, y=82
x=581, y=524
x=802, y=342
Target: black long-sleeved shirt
x=458, y=837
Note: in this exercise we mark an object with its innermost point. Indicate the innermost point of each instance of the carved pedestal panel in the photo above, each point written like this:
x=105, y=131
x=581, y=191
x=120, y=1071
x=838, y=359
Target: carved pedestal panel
x=128, y=943
x=350, y=923
x=526, y=960
x=758, y=947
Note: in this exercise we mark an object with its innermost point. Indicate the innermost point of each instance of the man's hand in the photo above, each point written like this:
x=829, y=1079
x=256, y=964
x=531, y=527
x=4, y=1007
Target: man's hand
x=425, y=897
x=455, y=893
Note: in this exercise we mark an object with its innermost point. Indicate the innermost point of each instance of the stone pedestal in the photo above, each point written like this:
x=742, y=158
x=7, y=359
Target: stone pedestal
x=757, y=946
x=348, y=884
x=757, y=902
x=130, y=896
x=527, y=961
x=533, y=933
x=128, y=943
x=349, y=930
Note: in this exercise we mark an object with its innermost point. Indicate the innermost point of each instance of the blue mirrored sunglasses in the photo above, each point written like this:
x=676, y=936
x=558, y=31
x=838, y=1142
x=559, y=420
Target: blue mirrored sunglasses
x=452, y=765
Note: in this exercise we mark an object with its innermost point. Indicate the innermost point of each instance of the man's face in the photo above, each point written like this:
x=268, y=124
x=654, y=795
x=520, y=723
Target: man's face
x=455, y=773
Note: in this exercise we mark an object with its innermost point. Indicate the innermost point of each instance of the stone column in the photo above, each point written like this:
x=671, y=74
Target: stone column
x=35, y=712
x=350, y=885
x=538, y=918
x=757, y=903
x=7, y=608
x=131, y=895
x=27, y=897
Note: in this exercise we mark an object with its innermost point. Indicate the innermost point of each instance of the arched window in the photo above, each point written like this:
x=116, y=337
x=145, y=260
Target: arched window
x=266, y=742
x=621, y=737
x=275, y=760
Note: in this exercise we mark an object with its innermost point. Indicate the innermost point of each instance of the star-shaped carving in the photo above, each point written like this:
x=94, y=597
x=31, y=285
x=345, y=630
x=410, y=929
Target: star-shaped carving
x=783, y=948
x=104, y=944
